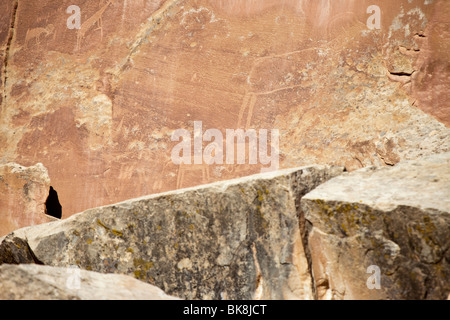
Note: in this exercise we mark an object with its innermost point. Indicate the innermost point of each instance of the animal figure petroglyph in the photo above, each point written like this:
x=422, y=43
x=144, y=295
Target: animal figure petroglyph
x=96, y=18
x=284, y=68
x=36, y=34
x=278, y=63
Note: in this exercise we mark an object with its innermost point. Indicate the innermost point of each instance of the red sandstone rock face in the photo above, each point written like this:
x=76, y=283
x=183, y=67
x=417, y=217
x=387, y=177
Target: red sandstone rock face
x=431, y=84
x=23, y=192
x=97, y=106
x=6, y=7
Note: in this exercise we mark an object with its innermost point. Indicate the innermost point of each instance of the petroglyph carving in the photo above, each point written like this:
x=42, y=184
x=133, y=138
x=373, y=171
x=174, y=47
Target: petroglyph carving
x=343, y=24
x=285, y=68
x=96, y=18
x=280, y=65
x=36, y=34
x=161, y=175
x=183, y=168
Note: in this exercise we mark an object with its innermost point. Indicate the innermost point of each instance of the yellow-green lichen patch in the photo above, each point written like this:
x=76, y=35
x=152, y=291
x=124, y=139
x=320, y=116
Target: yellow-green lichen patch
x=426, y=229
x=260, y=196
x=117, y=232
x=101, y=224
x=142, y=264
x=139, y=274
x=347, y=218
x=89, y=241
x=113, y=231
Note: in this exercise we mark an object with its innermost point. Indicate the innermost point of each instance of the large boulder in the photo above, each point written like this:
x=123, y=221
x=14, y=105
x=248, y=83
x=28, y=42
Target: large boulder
x=35, y=282
x=238, y=239
x=382, y=233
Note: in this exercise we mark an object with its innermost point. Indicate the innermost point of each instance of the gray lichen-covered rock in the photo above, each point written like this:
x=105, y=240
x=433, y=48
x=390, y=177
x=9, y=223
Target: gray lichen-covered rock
x=34, y=282
x=238, y=239
x=14, y=250
x=382, y=233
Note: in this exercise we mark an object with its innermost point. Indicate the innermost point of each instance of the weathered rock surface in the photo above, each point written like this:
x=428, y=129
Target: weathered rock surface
x=14, y=250
x=34, y=282
x=23, y=192
x=238, y=239
x=397, y=219
x=97, y=105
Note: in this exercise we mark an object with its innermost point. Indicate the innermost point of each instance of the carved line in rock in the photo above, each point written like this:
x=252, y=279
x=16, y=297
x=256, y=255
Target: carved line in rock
x=36, y=34
x=183, y=168
x=96, y=18
x=152, y=24
x=251, y=96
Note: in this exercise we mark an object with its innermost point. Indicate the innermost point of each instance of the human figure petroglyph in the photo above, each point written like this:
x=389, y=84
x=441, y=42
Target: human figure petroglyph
x=96, y=18
x=36, y=34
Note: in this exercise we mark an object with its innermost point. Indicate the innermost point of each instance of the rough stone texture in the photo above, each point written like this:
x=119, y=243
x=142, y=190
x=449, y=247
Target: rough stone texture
x=23, y=192
x=238, y=239
x=430, y=81
x=395, y=218
x=97, y=106
x=6, y=8
x=14, y=250
x=34, y=282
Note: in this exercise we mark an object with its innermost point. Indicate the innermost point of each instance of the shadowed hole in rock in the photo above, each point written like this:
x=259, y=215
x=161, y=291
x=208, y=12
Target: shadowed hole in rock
x=52, y=206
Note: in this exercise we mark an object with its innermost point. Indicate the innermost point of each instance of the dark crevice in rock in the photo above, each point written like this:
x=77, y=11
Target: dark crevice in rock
x=305, y=227
x=402, y=74
x=11, y=33
x=52, y=206
x=420, y=35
